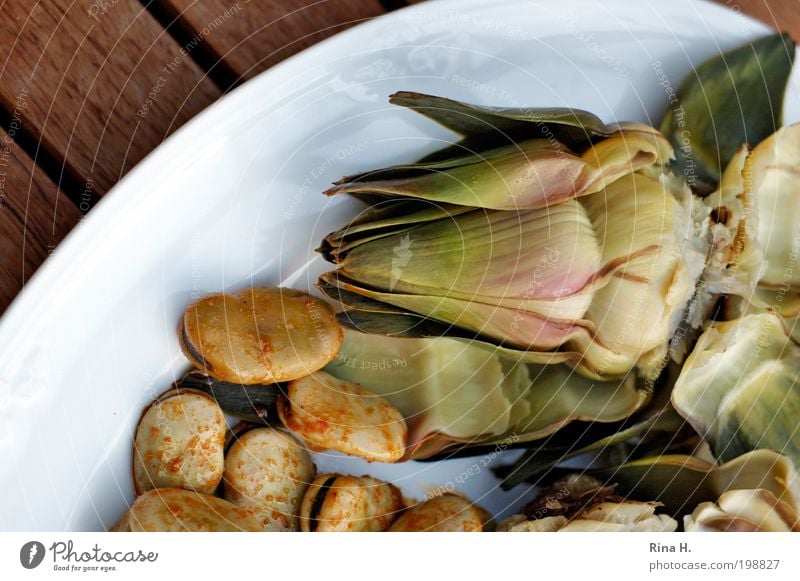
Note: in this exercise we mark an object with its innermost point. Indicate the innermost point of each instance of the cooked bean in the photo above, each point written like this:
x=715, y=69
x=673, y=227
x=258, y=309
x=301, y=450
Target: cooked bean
x=268, y=470
x=179, y=443
x=167, y=510
x=336, y=503
x=446, y=513
x=331, y=413
x=260, y=335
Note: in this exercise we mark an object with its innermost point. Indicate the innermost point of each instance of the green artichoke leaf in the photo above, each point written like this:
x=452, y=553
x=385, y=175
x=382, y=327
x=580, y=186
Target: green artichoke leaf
x=682, y=482
x=733, y=99
x=536, y=173
x=455, y=392
x=500, y=125
x=655, y=427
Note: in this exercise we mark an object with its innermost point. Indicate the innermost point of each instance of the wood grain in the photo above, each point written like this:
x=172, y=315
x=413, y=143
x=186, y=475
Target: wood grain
x=259, y=33
x=102, y=82
x=34, y=217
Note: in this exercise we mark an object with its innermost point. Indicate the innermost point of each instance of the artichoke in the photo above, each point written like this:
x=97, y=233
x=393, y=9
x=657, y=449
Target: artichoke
x=538, y=246
x=539, y=280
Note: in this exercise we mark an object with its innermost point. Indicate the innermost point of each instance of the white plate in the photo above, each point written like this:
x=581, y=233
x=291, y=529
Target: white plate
x=233, y=199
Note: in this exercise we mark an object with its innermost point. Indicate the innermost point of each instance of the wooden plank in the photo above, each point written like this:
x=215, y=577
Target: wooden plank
x=253, y=35
x=102, y=82
x=34, y=217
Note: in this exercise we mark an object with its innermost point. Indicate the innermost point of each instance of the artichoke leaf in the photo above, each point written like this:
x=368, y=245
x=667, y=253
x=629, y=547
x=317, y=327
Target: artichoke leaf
x=569, y=125
x=480, y=125
x=411, y=326
x=740, y=387
x=461, y=389
x=507, y=325
x=537, y=261
x=729, y=100
x=744, y=510
x=532, y=174
x=654, y=427
x=454, y=392
x=774, y=180
x=682, y=482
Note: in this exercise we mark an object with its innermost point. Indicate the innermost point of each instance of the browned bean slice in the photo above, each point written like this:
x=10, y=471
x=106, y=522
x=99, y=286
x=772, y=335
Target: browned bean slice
x=446, y=513
x=331, y=413
x=336, y=503
x=167, y=510
x=260, y=335
x=179, y=443
x=269, y=471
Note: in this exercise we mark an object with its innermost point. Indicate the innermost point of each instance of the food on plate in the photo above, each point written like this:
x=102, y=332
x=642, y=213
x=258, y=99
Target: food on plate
x=744, y=511
x=584, y=290
x=269, y=471
x=441, y=514
x=337, y=503
x=581, y=503
x=259, y=335
x=335, y=414
x=549, y=277
x=168, y=510
x=179, y=443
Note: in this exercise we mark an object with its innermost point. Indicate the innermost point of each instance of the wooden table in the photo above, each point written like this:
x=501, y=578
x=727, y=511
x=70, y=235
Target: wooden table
x=89, y=87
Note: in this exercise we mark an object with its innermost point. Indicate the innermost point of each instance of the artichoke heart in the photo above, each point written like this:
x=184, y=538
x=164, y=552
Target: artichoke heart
x=637, y=311
x=740, y=387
